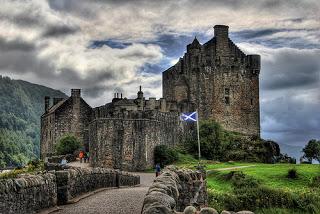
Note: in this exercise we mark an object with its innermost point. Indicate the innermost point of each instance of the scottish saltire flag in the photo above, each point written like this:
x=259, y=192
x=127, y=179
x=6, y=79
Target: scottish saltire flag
x=189, y=117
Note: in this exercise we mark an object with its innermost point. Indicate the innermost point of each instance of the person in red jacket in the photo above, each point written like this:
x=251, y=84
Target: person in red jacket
x=81, y=155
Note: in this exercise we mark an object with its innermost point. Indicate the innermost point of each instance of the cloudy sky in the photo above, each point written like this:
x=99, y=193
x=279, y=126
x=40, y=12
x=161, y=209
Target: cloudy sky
x=114, y=46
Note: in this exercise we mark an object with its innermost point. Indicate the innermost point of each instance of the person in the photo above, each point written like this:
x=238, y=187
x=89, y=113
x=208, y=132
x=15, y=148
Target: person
x=81, y=155
x=158, y=169
x=85, y=157
x=88, y=156
x=64, y=161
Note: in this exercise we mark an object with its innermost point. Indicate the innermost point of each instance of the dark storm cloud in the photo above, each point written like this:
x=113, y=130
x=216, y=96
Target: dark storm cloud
x=59, y=30
x=268, y=37
x=110, y=43
x=252, y=34
x=15, y=45
x=96, y=91
x=291, y=69
x=291, y=120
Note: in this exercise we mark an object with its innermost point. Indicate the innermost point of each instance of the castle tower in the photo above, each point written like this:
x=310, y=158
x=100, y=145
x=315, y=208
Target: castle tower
x=219, y=80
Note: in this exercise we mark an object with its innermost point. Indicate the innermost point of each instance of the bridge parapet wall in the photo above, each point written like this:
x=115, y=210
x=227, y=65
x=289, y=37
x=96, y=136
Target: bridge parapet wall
x=28, y=194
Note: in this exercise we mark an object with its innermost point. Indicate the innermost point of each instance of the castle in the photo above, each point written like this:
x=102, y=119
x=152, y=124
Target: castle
x=217, y=79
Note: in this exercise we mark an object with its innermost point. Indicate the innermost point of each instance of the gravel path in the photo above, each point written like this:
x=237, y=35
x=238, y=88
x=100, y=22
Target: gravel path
x=127, y=200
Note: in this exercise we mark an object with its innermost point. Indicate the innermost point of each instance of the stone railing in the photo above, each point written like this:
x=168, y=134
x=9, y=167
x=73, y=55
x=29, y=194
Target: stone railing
x=174, y=190
x=28, y=194
x=31, y=193
x=76, y=181
x=179, y=191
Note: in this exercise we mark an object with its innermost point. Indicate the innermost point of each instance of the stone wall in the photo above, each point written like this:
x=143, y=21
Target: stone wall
x=180, y=191
x=31, y=193
x=76, y=181
x=70, y=116
x=218, y=80
x=174, y=190
x=28, y=194
x=127, y=140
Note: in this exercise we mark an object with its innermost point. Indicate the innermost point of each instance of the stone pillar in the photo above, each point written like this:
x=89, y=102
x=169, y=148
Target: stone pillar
x=75, y=127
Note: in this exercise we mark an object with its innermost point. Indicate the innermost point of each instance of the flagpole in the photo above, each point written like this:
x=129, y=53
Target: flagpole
x=199, y=151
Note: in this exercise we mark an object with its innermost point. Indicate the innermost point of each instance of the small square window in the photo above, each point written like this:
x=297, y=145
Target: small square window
x=227, y=91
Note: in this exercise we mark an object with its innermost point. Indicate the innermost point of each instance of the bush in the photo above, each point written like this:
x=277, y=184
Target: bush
x=292, y=173
x=249, y=194
x=165, y=155
x=315, y=182
x=67, y=145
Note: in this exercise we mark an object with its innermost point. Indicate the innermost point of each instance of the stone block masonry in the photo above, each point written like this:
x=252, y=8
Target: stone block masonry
x=76, y=181
x=31, y=193
x=174, y=190
x=27, y=194
x=179, y=191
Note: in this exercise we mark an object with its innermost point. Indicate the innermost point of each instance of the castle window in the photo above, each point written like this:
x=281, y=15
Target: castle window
x=227, y=91
x=227, y=100
x=251, y=101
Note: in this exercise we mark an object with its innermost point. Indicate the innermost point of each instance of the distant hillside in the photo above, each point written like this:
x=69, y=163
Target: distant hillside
x=21, y=105
x=292, y=151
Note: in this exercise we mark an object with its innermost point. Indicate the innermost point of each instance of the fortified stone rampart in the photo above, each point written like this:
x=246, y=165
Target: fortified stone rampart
x=28, y=194
x=127, y=141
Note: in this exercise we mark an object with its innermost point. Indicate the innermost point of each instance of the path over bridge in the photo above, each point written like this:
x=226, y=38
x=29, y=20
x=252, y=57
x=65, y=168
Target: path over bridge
x=114, y=201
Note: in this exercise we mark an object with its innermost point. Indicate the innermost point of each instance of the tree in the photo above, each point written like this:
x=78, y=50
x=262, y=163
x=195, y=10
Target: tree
x=68, y=144
x=164, y=155
x=312, y=150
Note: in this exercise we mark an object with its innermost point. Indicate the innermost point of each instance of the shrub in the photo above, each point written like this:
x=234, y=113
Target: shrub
x=315, y=182
x=68, y=144
x=165, y=155
x=292, y=173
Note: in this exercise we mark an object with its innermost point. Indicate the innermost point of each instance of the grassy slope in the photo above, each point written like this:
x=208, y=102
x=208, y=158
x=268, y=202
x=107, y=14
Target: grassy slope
x=271, y=175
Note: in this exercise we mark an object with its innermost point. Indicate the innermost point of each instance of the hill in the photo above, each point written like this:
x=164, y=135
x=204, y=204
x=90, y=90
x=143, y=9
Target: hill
x=22, y=104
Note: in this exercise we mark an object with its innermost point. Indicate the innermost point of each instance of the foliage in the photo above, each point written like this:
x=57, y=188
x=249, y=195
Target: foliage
x=292, y=173
x=315, y=182
x=68, y=144
x=312, y=150
x=22, y=104
x=165, y=155
x=34, y=166
x=219, y=144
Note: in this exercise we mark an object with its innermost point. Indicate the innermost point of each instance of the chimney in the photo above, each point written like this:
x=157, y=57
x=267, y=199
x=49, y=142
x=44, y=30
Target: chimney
x=46, y=103
x=221, y=33
x=76, y=93
x=140, y=93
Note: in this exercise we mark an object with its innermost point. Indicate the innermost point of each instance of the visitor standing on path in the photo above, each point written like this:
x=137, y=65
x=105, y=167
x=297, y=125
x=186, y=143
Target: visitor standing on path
x=158, y=169
x=64, y=161
x=81, y=155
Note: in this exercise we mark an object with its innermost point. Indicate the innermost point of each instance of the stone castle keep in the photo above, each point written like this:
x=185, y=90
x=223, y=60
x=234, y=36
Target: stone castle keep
x=215, y=78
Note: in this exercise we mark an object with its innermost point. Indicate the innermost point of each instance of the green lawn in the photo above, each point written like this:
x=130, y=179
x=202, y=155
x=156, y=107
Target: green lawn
x=273, y=176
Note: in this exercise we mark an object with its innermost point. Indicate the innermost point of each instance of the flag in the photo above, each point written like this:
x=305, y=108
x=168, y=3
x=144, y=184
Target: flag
x=189, y=117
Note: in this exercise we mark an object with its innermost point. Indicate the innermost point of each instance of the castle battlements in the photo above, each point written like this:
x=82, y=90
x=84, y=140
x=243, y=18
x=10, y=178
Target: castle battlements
x=215, y=78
